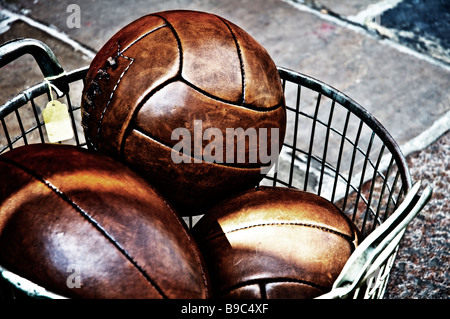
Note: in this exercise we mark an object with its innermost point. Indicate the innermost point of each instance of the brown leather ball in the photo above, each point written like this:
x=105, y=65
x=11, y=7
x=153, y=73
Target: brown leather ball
x=193, y=71
x=85, y=226
x=275, y=242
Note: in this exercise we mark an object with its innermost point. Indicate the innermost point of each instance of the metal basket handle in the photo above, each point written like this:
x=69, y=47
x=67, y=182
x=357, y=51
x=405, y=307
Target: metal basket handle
x=44, y=56
x=25, y=286
x=379, y=245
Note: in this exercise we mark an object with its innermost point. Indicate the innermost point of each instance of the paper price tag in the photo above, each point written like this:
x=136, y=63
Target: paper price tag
x=57, y=122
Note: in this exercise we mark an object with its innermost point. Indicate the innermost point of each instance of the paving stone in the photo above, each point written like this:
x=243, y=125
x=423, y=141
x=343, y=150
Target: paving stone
x=422, y=25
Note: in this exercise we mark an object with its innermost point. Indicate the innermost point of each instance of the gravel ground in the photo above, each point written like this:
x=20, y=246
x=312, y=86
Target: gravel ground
x=421, y=269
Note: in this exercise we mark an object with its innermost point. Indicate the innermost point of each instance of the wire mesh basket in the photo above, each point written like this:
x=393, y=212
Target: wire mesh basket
x=333, y=148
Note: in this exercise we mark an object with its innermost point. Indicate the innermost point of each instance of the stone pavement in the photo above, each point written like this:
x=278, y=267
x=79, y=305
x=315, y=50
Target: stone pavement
x=390, y=56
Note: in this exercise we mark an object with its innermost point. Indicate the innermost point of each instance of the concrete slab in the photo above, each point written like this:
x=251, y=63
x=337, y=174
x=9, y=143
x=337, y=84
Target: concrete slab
x=420, y=25
x=423, y=26
x=405, y=93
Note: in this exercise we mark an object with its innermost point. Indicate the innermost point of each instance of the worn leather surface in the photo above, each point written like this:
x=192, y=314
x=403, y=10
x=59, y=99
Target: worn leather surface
x=275, y=242
x=61, y=206
x=166, y=70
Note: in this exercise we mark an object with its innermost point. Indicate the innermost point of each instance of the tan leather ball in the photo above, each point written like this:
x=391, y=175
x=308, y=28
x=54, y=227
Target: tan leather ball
x=275, y=242
x=85, y=226
x=196, y=72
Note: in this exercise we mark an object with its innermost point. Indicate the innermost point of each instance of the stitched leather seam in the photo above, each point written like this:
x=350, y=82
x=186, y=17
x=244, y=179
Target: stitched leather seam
x=113, y=91
x=241, y=61
x=177, y=38
x=141, y=37
x=244, y=106
x=346, y=237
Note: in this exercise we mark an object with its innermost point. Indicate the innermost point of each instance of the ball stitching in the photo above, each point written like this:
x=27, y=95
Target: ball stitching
x=120, y=54
x=346, y=237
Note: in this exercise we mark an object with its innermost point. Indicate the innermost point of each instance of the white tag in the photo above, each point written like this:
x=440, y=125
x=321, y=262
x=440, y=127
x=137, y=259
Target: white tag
x=57, y=122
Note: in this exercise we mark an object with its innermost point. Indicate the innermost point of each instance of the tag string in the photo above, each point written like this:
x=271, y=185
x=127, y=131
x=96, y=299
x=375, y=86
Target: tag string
x=50, y=85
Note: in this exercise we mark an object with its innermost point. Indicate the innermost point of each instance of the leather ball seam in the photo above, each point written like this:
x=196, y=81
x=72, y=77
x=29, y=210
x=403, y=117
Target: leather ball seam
x=346, y=237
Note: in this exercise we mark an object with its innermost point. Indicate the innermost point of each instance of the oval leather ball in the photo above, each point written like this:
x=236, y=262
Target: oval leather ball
x=275, y=242
x=192, y=71
x=66, y=212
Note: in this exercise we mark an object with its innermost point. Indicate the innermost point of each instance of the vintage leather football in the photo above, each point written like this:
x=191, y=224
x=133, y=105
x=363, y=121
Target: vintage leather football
x=85, y=226
x=275, y=242
x=193, y=73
